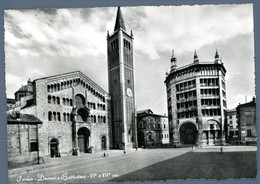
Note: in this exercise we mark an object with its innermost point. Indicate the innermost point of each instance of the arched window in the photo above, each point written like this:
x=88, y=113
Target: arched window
x=63, y=101
x=61, y=85
x=53, y=100
x=71, y=117
x=68, y=117
x=49, y=99
x=50, y=115
x=55, y=87
x=58, y=100
x=64, y=85
x=58, y=116
x=71, y=104
x=95, y=119
x=54, y=116
x=104, y=107
x=48, y=88
x=52, y=88
x=79, y=100
x=58, y=87
x=67, y=102
x=64, y=117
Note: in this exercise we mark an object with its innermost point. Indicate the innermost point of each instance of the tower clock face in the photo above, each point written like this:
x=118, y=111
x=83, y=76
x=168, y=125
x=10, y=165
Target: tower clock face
x=129, y=92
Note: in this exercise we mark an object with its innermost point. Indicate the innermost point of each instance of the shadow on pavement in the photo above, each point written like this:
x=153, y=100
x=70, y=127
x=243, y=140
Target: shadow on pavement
x=198, y=165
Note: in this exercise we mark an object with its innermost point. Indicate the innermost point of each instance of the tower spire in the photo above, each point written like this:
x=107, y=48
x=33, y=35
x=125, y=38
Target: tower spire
x=196, y=58
x=173, y=60
x=216, y=55
x=217, y=58
x=119, y=20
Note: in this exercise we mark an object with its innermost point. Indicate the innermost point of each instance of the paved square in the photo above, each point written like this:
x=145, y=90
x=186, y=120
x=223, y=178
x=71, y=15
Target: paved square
x=141, y=165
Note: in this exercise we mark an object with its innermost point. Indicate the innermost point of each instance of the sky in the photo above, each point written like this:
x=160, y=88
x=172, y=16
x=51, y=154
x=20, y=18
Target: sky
x=45, y=42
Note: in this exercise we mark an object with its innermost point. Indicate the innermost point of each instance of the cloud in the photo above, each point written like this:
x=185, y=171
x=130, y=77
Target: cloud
x=186, y=28
x=44, y=42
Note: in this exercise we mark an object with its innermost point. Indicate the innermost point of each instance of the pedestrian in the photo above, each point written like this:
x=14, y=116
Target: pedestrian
x=221, y=149
x=193, y=148
x=104, y=155
x=124, y=152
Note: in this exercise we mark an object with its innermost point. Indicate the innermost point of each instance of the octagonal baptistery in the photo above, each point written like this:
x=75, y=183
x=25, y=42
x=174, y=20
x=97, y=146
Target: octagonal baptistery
x=75, y=112
x=196, y=98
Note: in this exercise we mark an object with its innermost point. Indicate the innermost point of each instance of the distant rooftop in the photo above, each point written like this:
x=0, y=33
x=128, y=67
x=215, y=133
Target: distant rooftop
x=17, y=117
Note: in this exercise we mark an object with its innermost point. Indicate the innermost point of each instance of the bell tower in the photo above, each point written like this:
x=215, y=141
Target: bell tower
x=121, y=85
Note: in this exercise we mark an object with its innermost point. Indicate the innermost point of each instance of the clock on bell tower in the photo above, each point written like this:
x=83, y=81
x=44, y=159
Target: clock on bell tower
x=121, y=85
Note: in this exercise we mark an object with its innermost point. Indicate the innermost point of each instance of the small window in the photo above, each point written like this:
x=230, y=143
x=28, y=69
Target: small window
x=58, y=116
x=58, y=100
x=53, y=99
x=64, y=117
x=236, y=132
x=249, y=133
x=150, y=137
x=33, y=138
x=50, y=116
x=49, y=99
x=33, y=146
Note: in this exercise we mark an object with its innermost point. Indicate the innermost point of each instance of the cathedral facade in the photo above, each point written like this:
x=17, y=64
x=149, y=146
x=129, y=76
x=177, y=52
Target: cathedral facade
x=196, y=98
x=74, y=111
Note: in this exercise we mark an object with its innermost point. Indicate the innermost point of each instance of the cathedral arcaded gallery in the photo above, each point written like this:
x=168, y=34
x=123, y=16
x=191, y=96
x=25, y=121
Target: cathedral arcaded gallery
x=70, y=114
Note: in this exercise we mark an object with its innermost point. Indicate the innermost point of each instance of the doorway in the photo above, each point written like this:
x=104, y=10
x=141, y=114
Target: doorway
x=83, y=139
x=188, y=133
x=54, y=147
x=103, y=143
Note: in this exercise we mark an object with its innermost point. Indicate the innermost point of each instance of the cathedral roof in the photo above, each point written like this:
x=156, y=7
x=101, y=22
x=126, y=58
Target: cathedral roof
x=119, y=20
x=67, y=75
